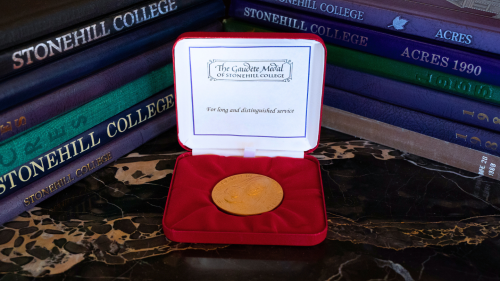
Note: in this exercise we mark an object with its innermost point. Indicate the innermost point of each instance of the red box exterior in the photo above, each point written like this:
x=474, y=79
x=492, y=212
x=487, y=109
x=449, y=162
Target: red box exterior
x=250, y=238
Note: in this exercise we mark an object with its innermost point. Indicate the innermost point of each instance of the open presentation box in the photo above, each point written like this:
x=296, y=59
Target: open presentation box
x=248, y=103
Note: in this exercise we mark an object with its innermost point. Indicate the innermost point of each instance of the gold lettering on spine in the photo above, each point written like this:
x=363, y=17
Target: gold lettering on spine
x=120, y=127
x=140, y=116
x=109, y=132
x=51, y=161
x=67, y=153
x=20, y=122
x=21, y=173
x=129, y=122
x=158, y=106
x=36, y=165
x=93, y=142
x=170, y=101
x=151, y=110
x=12, y=184
x=2, y=186
x=93, y=164
x=29, y=200
x=45, y=191
x=64, y=180
x=5, y=128
x=81, y=145
x=74, y=148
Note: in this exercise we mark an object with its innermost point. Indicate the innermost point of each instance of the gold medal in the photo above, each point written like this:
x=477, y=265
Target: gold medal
x=247, y=194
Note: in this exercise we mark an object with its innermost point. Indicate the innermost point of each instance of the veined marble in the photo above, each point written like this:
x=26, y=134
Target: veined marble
x=391, y=215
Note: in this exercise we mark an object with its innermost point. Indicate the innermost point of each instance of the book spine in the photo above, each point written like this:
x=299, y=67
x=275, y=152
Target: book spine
x=48, y=49
x=464, y=135
x=40, y=190
x=23, y=22
x=429, y=101
x=85, y=142
x=401, y=71
x=25, y=146
x=483, y=39
x=448, y=60
x=464, y=158
x=45, y=78
x=26, y=116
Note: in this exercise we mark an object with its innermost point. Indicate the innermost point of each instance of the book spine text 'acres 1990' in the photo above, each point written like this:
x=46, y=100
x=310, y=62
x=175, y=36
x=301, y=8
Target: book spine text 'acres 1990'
x=482, y=68
x=393, y=69
x=457, y=26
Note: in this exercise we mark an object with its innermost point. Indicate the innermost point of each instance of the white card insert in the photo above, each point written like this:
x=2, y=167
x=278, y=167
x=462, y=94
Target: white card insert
x=263, y=94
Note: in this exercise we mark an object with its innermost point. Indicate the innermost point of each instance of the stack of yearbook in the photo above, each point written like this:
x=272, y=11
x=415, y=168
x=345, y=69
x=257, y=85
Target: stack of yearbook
x=420, y=76
x=83, y=83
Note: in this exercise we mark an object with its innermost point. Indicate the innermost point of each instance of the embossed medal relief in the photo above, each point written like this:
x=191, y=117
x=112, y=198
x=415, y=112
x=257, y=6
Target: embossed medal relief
x=250, y=70
x=247, y=194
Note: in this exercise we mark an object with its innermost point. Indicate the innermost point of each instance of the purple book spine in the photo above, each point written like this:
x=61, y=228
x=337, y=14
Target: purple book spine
x=14, y=204
x=408, y=23
x=444, y=59
x=71, y=96
x=439, y=128
x=433, y=102
x=19, y=89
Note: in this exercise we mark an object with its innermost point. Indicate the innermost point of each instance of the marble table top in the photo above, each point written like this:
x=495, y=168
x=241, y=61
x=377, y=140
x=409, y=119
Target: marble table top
x=391, y=215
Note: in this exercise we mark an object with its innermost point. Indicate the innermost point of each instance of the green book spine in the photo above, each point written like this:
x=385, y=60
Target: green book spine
x=393, y=69
x=24, y=147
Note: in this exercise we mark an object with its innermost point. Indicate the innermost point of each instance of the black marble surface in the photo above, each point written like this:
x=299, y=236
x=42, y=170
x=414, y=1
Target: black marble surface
x=392, y=216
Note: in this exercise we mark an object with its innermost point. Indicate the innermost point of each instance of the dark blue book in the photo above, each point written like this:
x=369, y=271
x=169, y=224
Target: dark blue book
x=25, y=116
x=86, y=142
x=67, y=175
x=84, y=34
x=476, y=66
x=463, y=23
x=422, y=99
x=40, y=80
x=439, y=128
x=24, y=20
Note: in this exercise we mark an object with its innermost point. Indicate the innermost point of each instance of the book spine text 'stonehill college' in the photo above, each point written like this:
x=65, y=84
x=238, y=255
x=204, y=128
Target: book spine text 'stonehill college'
x=444, y=59
x=455, y=24
x=42, y=51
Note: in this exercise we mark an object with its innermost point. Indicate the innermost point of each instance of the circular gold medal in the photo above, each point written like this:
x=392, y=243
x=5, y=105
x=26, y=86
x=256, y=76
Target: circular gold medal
x=247, y=194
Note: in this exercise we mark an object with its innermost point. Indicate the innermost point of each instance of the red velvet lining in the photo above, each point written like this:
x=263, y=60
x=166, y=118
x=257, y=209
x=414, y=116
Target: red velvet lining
x=190, y=208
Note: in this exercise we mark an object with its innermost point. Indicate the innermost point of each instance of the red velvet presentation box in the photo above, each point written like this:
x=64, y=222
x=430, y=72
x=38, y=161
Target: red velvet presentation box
x=248, y=103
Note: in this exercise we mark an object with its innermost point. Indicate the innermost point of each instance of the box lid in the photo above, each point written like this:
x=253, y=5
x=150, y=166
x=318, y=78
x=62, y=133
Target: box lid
x=249, y=94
